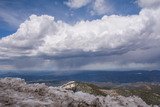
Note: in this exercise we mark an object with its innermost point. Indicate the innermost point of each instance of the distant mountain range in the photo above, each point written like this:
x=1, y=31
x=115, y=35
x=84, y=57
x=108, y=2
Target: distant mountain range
x=85, y=76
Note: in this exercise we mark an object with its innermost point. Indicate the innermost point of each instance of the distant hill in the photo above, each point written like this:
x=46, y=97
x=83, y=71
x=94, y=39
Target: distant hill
x=84, y=87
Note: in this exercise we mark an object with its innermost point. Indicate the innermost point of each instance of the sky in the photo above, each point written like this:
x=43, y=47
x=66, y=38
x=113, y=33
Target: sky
x=79, y=35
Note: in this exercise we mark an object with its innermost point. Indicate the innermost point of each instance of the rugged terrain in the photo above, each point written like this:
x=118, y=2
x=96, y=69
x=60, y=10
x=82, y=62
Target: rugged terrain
x=149, y=92
x=15, y=92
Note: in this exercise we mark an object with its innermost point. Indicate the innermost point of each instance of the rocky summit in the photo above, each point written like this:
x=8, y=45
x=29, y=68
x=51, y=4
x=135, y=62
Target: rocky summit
x=15, y=92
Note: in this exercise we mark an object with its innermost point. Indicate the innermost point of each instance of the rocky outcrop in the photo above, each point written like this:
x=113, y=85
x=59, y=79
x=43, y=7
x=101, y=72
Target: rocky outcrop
x=15, y=92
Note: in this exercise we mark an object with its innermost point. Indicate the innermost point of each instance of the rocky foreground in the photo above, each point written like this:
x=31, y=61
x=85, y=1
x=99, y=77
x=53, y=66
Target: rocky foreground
x=15, y=92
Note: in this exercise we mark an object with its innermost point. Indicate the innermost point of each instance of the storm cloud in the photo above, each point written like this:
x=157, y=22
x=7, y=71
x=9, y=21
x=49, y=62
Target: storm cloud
x=112, y=42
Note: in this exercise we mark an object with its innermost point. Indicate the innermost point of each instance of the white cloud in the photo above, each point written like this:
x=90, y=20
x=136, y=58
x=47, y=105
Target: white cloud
x=77, y=3
x=101, y=7
x=41, y=34
x=97, y=7
x=43, y=37
x=149, y=3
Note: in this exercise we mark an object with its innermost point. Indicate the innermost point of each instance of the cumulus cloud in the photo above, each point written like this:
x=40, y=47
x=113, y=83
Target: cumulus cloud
x=77, y=3
x=101, y=7
x=55, y=42
x=97, y=7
